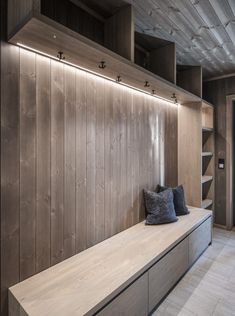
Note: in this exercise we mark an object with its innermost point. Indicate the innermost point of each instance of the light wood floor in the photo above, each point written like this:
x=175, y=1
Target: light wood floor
x=209, y=287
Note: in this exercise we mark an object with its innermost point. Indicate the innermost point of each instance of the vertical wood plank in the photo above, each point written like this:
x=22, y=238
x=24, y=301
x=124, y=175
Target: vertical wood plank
x=108, y=157
x=116, y=161
x=123, y=166
x=27, y=163
x=9, y=170
x=57, y=161
x=99, y=148
x=70, y=159
x=81, y=157
x=43, y=170
x=91, y=139
x=137, y=152
x=129, y=162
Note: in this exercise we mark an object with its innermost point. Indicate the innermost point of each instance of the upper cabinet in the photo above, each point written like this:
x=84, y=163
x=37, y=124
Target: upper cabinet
x=99, y=37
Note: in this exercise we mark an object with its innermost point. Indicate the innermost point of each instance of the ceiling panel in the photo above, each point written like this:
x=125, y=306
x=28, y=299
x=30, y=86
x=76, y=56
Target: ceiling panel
x=203, y=30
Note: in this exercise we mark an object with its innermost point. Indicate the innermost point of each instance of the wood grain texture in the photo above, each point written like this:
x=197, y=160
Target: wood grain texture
x=164, y=274
x=89, y=149
x=69, y=162
x=216, y=92
x=43, y=164
x=190, y=79
x=27, y=163
x=199, y=241
x=68, y=288
x=119, y=32
x=163, y=62
x=81, y=154
x=133, y=301
x=10, y=167
x=57, y=162
x=189, y=157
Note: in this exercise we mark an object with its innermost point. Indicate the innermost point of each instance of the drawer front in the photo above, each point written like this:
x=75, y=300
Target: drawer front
x=199, y=240
x=132, y=302
x=166, y=272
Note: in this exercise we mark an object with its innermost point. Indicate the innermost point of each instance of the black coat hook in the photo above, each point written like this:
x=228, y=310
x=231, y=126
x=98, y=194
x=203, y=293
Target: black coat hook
x=174, y=98
x=61, y=56
x=102, y=65
x=153, y=92
x=119, y=79
x=146, y=84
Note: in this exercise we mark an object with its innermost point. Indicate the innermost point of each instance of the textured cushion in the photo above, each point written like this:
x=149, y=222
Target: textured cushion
x=159, y=207
x=179, y=200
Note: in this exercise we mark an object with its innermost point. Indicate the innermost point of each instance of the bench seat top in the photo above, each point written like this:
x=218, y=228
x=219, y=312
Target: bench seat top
x=84, y=283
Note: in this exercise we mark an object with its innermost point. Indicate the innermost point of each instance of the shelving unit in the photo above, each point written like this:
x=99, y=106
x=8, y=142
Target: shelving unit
x=207, y=160
x=113, y=41
x=196, y=153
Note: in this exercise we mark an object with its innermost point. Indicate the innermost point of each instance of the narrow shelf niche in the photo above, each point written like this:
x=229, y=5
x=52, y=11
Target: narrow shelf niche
x=190, y=78
x=156, y=55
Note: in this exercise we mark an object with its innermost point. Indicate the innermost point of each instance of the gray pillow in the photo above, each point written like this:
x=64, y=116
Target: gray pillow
x=179, y=200
x=159, y=207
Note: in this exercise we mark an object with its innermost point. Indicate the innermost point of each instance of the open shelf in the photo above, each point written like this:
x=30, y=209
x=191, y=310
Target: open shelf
x=207, y=129
x=156, y=55
x=206, y=203
x=206, y=179
x=42, y=34
x=207, y=154
x=190, y=78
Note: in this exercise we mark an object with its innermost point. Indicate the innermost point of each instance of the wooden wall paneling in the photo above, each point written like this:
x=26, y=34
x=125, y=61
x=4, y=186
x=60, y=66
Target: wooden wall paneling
x=156, y=173
x=81, y=160
x=143, y=154
x=10, y=168
x=91, y=94
x=150, y=142
x=116, y=197
x=100, y=160
x=57, y=161
x=27, y=163
x=69, y=162
x=108, y=160
x=170, y=145
x=126, y=155
x=129, y=162
x=162, y=61
x=17, y=12
x=43, y=163
x=189, y=152
x=119, y=32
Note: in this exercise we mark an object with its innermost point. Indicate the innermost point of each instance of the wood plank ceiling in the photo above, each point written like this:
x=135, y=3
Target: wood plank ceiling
x=203, y=30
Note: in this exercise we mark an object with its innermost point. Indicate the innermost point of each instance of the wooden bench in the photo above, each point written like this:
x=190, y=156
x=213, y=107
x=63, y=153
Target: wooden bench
x=127, y=274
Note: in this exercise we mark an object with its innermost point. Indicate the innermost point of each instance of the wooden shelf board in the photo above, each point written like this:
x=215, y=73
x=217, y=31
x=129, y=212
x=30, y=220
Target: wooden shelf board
x=207, y=129
x=207, y=154
x=39, y=33
x=206, y=179
x=206, y=104
x=206, y=203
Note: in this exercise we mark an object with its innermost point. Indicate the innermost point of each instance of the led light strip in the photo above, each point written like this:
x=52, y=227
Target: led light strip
x=99, y=75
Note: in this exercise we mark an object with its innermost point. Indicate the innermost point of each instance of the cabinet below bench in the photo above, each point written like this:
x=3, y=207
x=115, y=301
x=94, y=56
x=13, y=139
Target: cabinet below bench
x=127, y=274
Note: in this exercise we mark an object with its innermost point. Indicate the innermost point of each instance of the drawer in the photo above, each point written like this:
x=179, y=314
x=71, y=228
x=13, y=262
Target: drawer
x=131, y=302
x=199, y=240
x=166, y=272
